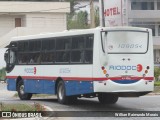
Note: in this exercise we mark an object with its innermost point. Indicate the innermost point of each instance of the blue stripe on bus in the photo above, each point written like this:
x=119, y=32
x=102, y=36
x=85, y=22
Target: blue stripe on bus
x=11, y=84
x=39, y=86
x=48, y=86
x=78, y=87
x=125, y=81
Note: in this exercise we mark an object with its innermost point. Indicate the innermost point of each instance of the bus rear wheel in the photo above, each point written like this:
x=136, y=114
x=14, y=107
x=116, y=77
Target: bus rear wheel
x=105, y=98
x=61, y=94
x=20, y=89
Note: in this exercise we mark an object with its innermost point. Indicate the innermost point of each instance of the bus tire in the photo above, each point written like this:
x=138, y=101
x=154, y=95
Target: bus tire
x=107, y=98
x=20, y=89
x=61, y=94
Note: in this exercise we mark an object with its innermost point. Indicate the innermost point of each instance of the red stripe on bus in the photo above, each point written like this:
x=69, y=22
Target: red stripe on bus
x=81, y=78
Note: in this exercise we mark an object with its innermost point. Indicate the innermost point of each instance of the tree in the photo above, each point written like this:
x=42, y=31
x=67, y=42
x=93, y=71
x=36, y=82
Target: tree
x=78, y=21
x=82, y=19
x=72, y=4
x=157, y=73
x=96, y=15
x=2, y=74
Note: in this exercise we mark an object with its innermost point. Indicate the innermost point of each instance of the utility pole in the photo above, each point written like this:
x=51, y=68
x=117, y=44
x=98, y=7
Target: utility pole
x=92, y=17
x=102, y=10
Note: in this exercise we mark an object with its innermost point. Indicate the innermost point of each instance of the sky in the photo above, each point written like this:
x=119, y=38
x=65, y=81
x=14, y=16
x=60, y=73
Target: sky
x=2, y=62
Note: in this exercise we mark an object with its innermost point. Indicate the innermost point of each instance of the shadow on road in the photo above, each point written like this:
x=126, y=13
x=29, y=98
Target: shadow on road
x=88, y=104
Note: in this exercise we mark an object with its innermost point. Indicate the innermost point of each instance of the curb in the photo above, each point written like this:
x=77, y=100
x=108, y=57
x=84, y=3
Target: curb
x=153, y=94
x=48, y=108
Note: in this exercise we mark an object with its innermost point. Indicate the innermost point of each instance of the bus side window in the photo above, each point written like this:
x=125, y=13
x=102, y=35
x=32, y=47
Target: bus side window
x=22, y=58
x=88, y=56
x=77, y=54
x=89, y=49
x=63, y=49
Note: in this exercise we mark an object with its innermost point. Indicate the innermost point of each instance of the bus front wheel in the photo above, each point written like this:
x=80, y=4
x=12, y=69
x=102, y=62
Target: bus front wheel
x=20, y=89
x=107, y=98
x=61, y=94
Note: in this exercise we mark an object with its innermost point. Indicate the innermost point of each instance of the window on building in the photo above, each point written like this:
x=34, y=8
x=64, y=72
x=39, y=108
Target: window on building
x=157, y=56
x=159, y=30
x=158, y=5
x=18, y=22
x=137, y=5
x=144, y=5
x=145, y=25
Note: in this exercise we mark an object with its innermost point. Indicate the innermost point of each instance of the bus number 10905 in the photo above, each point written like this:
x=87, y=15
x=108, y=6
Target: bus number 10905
x=129, y=46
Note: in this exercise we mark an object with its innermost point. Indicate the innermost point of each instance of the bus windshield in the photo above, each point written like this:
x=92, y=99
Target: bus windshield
x=125, y=42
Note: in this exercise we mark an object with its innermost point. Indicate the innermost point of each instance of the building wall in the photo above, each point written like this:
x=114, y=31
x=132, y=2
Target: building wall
x=6, y=24
x=28, y=18
x=55, y=21
x=39, y=22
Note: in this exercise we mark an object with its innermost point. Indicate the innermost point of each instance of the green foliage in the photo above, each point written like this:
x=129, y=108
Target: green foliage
x=156, y=73
x=157, y=83
x=96, y=13
x=21, y=107
x=79, y=21
x=72, y=3
x=2, y=74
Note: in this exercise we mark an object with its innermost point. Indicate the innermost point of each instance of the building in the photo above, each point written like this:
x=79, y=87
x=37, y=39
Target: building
x=138, y=13
x=27, y=18
x=146, y=13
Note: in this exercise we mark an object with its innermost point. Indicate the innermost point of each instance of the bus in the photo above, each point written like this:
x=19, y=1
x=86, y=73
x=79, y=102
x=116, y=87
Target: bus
x=104, y=62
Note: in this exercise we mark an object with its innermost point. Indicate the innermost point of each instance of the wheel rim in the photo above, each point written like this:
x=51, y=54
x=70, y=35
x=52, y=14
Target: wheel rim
x=22, y=89
x=61, y=92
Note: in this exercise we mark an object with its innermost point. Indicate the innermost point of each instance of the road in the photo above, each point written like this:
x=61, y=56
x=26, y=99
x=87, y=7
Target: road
x=145, y=103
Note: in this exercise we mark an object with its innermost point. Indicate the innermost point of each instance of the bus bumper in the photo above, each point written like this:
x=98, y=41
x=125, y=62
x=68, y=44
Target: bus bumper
x=111, y=86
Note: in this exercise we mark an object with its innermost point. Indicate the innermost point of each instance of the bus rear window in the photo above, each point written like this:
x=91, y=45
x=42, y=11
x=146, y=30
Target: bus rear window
x=125, y=42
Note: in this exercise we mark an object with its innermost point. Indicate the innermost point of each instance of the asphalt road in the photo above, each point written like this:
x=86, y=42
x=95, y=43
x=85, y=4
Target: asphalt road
x=145, y=103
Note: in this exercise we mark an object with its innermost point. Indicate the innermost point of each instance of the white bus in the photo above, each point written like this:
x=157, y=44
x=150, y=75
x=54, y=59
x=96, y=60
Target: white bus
x=107, y=63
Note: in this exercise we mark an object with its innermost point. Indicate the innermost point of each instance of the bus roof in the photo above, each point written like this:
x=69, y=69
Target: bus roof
x=69, y=32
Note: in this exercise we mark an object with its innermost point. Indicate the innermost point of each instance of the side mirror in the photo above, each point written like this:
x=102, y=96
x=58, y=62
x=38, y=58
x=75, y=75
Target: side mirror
x=6, y=56
x=9, y=58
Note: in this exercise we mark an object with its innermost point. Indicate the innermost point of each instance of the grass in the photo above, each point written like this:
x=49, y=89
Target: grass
x=35, y=95
x=21, y=107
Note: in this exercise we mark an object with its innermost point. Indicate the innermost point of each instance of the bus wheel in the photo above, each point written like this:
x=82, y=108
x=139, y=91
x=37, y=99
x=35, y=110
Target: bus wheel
x=107, y=98
x=20, y=89
x=61, y=93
